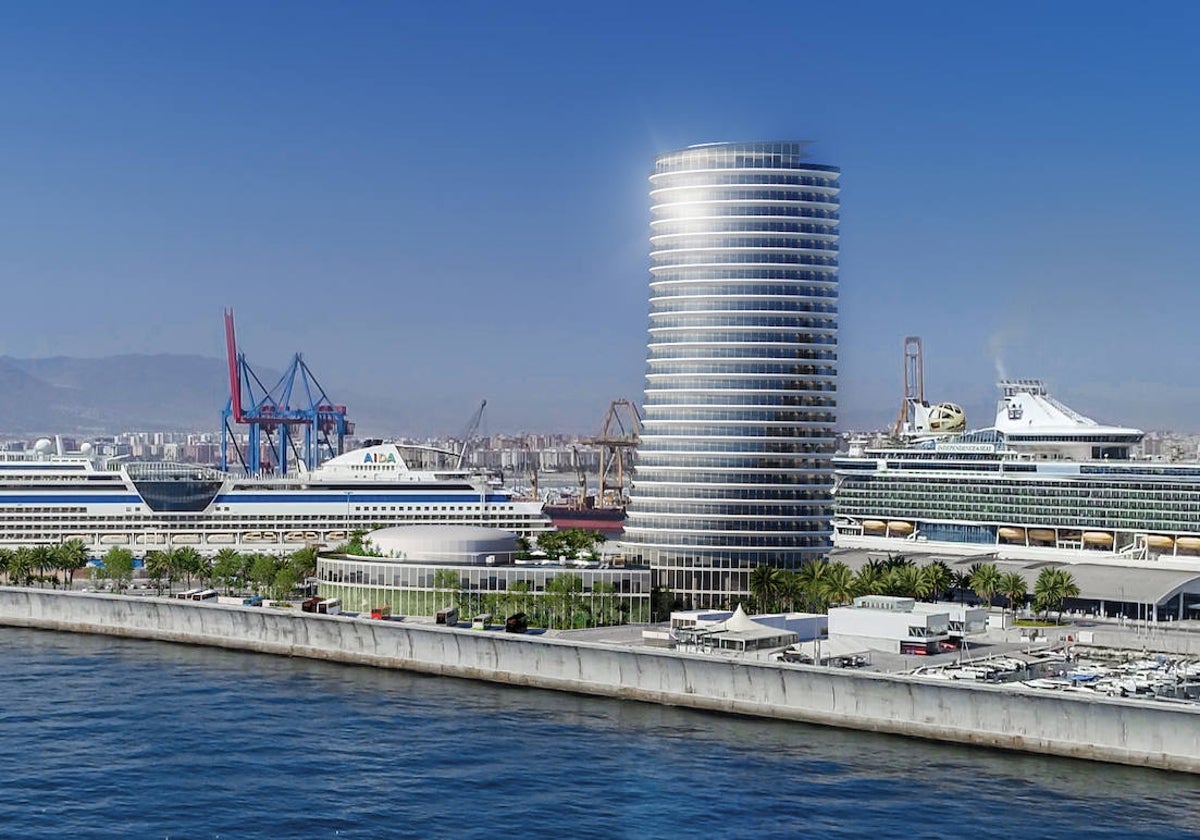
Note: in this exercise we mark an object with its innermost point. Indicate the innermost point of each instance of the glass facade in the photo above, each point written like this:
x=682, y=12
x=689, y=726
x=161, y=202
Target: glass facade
x=600, y=596
x=734, y=464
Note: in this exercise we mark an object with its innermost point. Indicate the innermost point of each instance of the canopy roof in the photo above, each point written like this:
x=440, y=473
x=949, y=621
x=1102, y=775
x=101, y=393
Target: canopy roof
x=1096, y=582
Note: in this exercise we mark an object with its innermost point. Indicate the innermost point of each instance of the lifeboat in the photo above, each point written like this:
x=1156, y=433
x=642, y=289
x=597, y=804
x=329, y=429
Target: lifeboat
x=1188, y=543
x=220, y=538
x=1012, y=534
x=869, y=525
x=1041, y=535
x=114, y=539
x=190, y=538
x=149, y=539
x=253, y=536
x=1097, y=538
x=900, y=527
x=1161, y=542
x=341, y=535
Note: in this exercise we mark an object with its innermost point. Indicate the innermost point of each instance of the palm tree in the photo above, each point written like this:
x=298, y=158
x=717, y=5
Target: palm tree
x=908, y=581
x=1013, y=587
x=187, y=561
x=69, y=558
x=960, y=581
x=6, y=556
x=870, y=580
x=985, y=580
x=839, y=583
x=764, y=587
x=20, y=566
x=158, y=566
x=1052, y=588
x=937, y=577
x=227, y=567
x=43, y=558
x=787, y=588
x=812, y=581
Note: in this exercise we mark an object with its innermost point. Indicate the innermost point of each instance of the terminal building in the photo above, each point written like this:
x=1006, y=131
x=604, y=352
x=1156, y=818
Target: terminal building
x=421, y=569
x=890, y=624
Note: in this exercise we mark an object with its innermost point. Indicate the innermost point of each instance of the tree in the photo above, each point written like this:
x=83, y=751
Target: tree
x=908, y=581
x=985, y=580
x=1051, y=589
x=937, y=577
x=519, y=591
x=870, y=580
x=43, y=558
x=788, y=588
x=445, y=583
x=604, y=599
x=960, y=581
x=6, y=557
x=304, y=562
x=839, y=584
x=812, y=581
x=158, y=566
x=227, y=567
x=284, y=582
x=69, y=557
x=118, y=566
x=187, y=561
x=262, y=572
x=764, y=587
x=564, y=591
x=20, y=566
x=1013, y=587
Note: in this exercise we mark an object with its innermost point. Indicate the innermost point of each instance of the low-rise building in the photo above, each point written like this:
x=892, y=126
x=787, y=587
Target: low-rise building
x=420, y=569
x=965, y=620
x=890, y=624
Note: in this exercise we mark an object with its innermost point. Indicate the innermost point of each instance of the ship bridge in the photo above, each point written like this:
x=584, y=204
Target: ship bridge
x=174, y=487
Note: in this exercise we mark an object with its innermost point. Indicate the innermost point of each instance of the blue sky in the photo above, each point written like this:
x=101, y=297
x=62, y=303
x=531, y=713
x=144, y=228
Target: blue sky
x=443, y=204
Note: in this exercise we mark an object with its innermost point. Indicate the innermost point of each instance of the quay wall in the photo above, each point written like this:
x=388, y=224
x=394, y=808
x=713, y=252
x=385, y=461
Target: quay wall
x=1128, y=732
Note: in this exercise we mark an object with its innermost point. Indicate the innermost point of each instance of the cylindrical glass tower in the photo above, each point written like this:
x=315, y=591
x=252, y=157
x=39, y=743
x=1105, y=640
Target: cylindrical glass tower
x=733, y=467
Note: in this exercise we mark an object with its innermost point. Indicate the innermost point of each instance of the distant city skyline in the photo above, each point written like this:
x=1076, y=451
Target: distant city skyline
x=449, y=204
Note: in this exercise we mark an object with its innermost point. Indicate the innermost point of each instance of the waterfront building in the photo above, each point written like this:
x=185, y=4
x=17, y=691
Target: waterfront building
x=419, y=570
x=733, y=464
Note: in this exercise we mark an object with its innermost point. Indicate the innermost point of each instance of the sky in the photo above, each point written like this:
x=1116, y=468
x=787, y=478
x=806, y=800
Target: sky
x=446, y=202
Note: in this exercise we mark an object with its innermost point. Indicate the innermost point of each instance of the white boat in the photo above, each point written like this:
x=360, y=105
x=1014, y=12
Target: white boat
x=1027, y=483
x=47, y=497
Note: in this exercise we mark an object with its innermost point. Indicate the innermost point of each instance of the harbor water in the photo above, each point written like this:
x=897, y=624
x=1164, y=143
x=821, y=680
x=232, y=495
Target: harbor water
x=109, y=737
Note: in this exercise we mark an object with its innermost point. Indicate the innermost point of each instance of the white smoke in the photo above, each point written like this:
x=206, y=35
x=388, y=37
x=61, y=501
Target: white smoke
x=996, y=342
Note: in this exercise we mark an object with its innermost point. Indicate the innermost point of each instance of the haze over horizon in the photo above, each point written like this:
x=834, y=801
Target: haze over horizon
x=450, y=204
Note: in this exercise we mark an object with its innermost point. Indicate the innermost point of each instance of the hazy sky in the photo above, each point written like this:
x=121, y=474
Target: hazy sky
x=450, y=203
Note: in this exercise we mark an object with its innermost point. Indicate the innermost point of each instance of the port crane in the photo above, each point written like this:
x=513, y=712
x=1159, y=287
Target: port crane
x=295, y=418
x=617, y=441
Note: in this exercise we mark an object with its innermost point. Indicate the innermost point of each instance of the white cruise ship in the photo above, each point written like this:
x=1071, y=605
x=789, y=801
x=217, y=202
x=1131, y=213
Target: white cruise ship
x=48, y=497
x=1044, y=482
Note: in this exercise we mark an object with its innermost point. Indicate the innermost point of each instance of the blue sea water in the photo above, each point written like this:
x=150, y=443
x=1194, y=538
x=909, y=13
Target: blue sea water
x=102, y=737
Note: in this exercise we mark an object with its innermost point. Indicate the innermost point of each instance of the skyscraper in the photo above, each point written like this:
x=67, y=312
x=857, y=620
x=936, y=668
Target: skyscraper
x=733, y=467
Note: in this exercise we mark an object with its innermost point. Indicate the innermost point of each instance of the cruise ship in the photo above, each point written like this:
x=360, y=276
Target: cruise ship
x=1043, y=482
x=48, y=496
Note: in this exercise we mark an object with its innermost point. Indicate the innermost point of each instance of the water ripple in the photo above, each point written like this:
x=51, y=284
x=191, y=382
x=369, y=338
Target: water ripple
x=118, y=738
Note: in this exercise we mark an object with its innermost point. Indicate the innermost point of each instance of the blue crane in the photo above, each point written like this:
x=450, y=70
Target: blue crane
x=295, y=418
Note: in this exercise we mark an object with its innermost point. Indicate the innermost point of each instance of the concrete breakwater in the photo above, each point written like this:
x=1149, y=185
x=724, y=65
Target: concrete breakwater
x=1138, y=733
